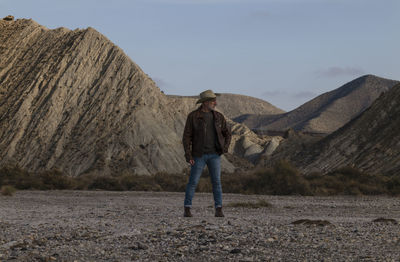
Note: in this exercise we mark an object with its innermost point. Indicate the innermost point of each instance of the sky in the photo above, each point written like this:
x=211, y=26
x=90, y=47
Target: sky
x=285, y=52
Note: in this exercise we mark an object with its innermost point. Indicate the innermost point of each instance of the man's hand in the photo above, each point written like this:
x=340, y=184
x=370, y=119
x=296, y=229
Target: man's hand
x=191, y=162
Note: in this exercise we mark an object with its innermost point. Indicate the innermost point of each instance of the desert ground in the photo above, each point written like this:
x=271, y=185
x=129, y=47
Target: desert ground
x=149, y=226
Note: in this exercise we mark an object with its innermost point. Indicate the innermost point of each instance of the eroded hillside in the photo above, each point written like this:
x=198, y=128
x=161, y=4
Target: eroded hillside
x=74, y=101
x=370, y=142
x=327, y=112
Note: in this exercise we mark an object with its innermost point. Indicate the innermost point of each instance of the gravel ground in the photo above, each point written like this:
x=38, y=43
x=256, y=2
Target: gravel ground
x=148, y=226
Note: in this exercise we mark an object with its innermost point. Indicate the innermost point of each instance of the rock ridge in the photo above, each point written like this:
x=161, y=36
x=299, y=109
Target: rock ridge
x=370, y=142
x=327, y=112
x=74, y=101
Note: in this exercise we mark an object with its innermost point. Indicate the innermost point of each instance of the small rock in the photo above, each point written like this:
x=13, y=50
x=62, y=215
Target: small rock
x=9, y=244
x=385, y=220
x=311, y=222
x=139, y=246
x=204, y=248
x=211, y=227
x=235, y=251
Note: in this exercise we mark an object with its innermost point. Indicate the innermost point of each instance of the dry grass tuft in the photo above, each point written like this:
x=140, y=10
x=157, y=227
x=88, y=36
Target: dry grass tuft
x=7, y=190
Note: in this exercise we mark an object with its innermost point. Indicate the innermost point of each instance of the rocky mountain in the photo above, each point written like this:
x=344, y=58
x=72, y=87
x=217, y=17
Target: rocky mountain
x=370, y=142
x=74, y=101
x=233, y=105
x=327, y=112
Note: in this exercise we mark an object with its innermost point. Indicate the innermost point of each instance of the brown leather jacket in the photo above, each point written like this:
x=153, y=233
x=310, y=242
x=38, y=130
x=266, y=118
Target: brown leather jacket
x=193, y=135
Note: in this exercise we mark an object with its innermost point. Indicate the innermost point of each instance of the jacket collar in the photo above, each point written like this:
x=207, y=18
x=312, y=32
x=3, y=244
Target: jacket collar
x=198, y=113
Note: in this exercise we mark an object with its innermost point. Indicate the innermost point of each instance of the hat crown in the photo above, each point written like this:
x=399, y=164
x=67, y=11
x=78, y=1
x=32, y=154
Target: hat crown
x=206, y=95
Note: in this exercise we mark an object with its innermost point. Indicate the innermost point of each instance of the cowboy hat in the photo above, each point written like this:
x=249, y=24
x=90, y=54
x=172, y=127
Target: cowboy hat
x=207, y=95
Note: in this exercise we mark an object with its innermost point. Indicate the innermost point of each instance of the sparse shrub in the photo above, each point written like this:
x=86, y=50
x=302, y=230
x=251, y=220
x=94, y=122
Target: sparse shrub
x=105, y=183
x=82, y=182
x=7, y=190
x=128, y=182
x=139, y=183
x=282, y=179
x=347, y=181
x=324, y=185
x=18, y=177
x=241, y=183
x=171, y=182
x=204, y=185
x=55, y=179
x=393, y=185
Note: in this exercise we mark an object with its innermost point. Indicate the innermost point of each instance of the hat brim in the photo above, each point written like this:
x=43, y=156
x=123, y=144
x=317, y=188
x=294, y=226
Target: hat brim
x=201, y=100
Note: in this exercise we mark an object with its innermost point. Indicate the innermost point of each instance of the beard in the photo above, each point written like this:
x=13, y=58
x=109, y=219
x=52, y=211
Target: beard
x=211, y=107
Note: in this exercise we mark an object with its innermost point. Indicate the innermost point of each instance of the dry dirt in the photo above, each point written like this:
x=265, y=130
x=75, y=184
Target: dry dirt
x=148, y=226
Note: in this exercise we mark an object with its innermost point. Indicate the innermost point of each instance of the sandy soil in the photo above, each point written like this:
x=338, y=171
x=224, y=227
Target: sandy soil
x=148, y=226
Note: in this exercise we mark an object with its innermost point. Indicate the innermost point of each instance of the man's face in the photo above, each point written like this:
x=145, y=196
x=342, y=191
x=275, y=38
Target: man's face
x=211, y=104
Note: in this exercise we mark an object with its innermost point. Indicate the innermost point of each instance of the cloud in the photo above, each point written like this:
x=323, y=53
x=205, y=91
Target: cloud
x=339, y=71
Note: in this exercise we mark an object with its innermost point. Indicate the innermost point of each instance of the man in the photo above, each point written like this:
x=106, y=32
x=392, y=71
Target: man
x=205, y=138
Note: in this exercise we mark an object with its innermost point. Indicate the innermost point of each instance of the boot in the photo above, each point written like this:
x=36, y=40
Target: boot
x=187, y=212
x=218, y=212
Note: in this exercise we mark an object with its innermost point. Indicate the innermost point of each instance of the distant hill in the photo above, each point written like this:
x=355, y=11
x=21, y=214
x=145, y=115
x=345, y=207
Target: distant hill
x=233, y=105
x=370, y=142
x=327, y=112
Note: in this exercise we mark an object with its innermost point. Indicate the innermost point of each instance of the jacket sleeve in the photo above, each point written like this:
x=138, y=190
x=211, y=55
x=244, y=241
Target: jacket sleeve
x=226, y=132
x=188, y=138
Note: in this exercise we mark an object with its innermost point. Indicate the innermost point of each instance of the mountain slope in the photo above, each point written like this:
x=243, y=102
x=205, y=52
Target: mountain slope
x=74, y=101
x=370, y=142
x=327, y=112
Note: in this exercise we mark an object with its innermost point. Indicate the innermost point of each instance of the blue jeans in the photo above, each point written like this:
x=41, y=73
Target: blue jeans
x=213, y=162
